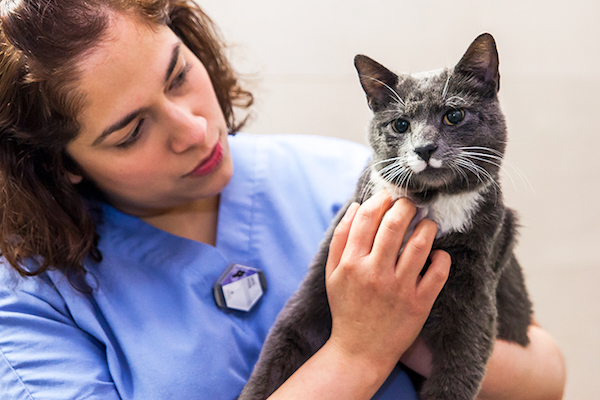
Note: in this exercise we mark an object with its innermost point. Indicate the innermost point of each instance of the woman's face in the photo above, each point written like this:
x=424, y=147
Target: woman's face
x=153, y=136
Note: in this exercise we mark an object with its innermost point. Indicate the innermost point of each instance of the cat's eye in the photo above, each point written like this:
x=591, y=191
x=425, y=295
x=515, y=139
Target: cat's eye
x=400, y=125
x=453, y=117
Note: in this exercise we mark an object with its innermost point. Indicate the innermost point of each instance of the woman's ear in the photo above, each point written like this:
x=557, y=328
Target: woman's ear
x=72, y=170
x=74, y=178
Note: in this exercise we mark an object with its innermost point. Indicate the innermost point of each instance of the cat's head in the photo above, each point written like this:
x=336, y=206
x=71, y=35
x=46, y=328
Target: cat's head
x=436, y=132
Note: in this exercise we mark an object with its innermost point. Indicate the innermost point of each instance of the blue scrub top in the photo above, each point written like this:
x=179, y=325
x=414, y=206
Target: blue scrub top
x=151, y=329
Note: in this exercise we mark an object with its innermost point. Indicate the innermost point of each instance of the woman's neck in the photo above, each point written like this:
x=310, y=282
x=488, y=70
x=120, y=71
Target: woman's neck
x=196, y=221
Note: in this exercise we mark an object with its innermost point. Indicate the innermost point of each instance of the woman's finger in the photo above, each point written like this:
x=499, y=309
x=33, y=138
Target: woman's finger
x=435, y=277
x=366, y=222
x=417, y=249
x=390, y=235
x=339, y=239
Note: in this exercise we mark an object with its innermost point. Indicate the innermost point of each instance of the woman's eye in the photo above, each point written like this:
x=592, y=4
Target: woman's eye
x=180, y=79
x=453, y=117
x=133, y=137
x=400, y=125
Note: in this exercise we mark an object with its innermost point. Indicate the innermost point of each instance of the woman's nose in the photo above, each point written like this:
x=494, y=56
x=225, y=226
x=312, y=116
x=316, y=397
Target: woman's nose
x=187, y=130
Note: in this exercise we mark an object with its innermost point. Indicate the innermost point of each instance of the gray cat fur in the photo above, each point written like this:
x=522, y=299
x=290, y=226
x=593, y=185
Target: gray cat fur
x=485, y=295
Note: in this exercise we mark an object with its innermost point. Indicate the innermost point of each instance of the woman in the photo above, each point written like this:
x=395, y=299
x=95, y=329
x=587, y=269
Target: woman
x=121, y=210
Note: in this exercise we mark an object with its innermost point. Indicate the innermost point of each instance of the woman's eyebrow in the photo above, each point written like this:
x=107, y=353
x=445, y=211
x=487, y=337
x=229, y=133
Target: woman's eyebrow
x=118, y=125
x=173, y=63
x=123, y=122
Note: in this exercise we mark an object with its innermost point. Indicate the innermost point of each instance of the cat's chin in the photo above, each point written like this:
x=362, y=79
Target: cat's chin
x=421, y=196
x=430, y=179
x=421, y=189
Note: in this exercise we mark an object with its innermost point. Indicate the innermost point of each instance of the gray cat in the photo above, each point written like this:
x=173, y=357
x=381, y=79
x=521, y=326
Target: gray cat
x=438, y=139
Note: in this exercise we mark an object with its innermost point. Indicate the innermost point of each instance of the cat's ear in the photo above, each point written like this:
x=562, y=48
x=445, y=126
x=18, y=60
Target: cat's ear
x=481, y=62
x=377, y=81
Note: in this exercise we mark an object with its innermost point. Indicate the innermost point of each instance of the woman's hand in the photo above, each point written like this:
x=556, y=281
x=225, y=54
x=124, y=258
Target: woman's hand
x=379, y=302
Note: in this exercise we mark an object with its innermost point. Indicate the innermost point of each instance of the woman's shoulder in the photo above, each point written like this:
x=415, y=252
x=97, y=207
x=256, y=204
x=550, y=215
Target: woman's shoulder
x=307, y=146
x=30, y=295
x=318, y=161
x=285, y=191
x=39, y=337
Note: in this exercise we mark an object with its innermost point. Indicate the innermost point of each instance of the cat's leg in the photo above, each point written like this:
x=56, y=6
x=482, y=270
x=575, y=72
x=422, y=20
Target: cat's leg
x=514, y=306
x=460, y=333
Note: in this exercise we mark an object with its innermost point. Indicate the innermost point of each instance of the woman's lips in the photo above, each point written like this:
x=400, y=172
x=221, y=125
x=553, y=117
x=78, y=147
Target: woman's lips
x=210, y=163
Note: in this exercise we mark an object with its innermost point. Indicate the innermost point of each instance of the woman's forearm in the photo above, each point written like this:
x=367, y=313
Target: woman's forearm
x=535, y=372
x=331, y=374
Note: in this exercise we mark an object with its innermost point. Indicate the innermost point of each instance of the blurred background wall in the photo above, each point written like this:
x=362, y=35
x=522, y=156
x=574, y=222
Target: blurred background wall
x=297, y=58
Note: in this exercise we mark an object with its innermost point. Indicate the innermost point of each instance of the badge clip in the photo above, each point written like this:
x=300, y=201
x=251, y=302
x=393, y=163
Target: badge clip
x=239, y=287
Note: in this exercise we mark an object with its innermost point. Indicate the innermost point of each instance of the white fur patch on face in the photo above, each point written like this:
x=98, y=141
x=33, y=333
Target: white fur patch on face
x=416, y=163
x=435, y=163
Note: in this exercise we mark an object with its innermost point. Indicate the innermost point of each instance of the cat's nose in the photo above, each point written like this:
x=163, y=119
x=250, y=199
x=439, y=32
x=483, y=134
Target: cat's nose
x=426, y=151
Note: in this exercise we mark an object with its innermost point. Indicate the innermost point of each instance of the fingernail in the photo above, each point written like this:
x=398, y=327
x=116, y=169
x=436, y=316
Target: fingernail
x=406, y=202
x=351, y=211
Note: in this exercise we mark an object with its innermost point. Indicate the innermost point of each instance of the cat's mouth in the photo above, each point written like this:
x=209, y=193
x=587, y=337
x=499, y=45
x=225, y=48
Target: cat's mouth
x=428, y=178
x=433, y=175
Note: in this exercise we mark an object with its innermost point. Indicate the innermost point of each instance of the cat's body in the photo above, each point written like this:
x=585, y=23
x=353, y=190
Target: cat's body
x=438, y=139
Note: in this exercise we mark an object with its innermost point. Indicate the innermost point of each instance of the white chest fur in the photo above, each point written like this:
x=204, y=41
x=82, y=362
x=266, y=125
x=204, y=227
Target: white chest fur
x=454, y=213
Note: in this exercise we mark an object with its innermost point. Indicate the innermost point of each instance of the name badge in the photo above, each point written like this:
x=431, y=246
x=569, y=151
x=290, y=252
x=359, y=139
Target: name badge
x=239, y=287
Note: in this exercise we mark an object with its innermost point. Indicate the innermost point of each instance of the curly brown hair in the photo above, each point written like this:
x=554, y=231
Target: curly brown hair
x=43, y=216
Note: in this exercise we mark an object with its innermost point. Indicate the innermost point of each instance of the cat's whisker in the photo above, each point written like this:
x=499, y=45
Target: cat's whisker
x=387, y=160
x=393, y=173
x=469, y=166
x=392, y=112
x=397, y=175
x=456, y=102
x=493, y=151
x=368, y=192
x=366, y=171
x=458, y=170
x=496, y=155
x=492, y=156
x=478, y=171
x=369, y=183
x=447, y=182
x=495, y=164
x=482, y=171
x=524, y=180
x=389, y=174
x=363, y=195
x=445, y=91
x=405, y=179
